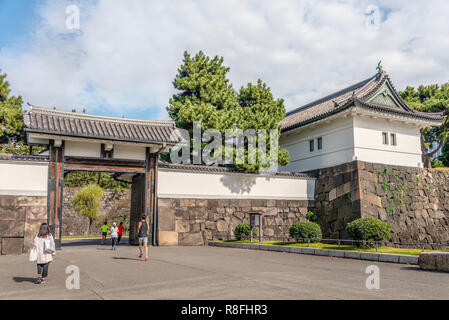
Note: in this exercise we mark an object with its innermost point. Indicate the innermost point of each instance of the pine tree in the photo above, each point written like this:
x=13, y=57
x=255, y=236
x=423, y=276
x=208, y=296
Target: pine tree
x=205, y=94
x=260, y=111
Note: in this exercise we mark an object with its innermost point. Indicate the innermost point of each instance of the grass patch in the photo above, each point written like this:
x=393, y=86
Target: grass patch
x=319, y=245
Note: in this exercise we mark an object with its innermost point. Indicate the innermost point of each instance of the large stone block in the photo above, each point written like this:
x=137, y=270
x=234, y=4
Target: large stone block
x=190, y=239
x=436, y=261
x=12, y=228
x=166, y=219
x=168, y=238
x=36, y=213
x=12, y=213
x=31, y=201
x=198, y=213
x=164, y=202
x=12, y=246
x=182, y=226
x=222, y=226
x=7, y=201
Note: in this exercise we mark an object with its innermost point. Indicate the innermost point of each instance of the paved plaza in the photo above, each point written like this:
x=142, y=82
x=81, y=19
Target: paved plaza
x=212, y=273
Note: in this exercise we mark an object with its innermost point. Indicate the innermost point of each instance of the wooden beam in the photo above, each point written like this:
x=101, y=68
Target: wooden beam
x=103, y=161
x=102, y=168
x=151, y=193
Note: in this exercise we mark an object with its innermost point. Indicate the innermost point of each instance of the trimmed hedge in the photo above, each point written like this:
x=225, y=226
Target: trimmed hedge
x=369, y=230
x=305, y=230
x=242, y=231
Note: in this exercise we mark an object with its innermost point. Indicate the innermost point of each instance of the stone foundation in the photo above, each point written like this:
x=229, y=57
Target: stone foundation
x=337, y=198
x=196, y=221
x=20, y=218
x=414, y=201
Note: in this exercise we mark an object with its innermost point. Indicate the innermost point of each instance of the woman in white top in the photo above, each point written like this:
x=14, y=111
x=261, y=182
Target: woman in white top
x=43, y=257
x=114, y=235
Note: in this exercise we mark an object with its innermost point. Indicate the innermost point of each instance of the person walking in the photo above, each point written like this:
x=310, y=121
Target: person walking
x=143, y=230
x=120, y=232
x=114, y=235
x=44, y=246
x=104, y=232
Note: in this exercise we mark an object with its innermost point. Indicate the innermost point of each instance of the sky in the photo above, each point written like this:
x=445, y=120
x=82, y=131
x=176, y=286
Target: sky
x=123, y=56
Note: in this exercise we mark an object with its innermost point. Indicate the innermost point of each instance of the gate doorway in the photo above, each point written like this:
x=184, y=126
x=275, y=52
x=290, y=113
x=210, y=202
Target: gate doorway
x=123, y=147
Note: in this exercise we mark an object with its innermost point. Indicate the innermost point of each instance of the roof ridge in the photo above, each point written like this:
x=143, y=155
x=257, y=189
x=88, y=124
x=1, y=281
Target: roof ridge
x=335, y=94
x=99, y=117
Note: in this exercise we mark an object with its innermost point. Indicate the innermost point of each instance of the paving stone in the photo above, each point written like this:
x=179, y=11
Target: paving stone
x=369, y=256
x=352, y=254
x=385, y=257
x=408, y=259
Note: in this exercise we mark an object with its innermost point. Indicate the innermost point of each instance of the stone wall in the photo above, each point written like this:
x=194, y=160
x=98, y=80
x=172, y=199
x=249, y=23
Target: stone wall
x=337, y=194
x=196, y=221
x=20, y=218
x=114, y=205
x=414, y=201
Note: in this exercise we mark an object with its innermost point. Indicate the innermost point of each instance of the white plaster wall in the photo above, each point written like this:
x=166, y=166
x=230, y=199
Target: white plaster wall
x=184, y=184
x=86, y=149
x=129, y=152
x=338, y=145
x=369, y=146
x=23, y=178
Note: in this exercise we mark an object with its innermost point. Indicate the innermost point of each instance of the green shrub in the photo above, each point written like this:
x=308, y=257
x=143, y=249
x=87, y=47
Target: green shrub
x=303, y=230
x=311, y=216
x=369, y=230
x=242, y=231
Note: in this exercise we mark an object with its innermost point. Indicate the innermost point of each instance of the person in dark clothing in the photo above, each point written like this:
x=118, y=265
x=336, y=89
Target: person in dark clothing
x=143, y=230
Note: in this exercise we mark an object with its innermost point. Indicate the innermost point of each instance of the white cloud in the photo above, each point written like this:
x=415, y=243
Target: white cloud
x=127, y=53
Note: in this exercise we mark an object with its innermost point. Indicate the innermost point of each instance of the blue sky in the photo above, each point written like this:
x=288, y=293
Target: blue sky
x=16, y=20
x=122, y=60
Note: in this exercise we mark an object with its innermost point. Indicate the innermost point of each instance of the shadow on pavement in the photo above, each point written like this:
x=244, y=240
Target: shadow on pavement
x=24, y=279
x=412, y=268
x=123, y=258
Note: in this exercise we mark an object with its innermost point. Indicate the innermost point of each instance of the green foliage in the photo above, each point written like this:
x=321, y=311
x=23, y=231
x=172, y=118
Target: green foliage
x=305, y=230
x=443, y=159
x=432, y=98
x=103, y=179
x=11, y=116
x=369, y=230
x=260, y=111
x=311, y=216
x=87, y=202
x=242, y=231
x=206, y=95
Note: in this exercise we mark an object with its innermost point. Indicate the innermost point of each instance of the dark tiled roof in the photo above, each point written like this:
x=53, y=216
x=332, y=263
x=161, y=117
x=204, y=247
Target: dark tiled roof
x=217, y=169
x=7, y=156
x=73, y=124
x=357, y=94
